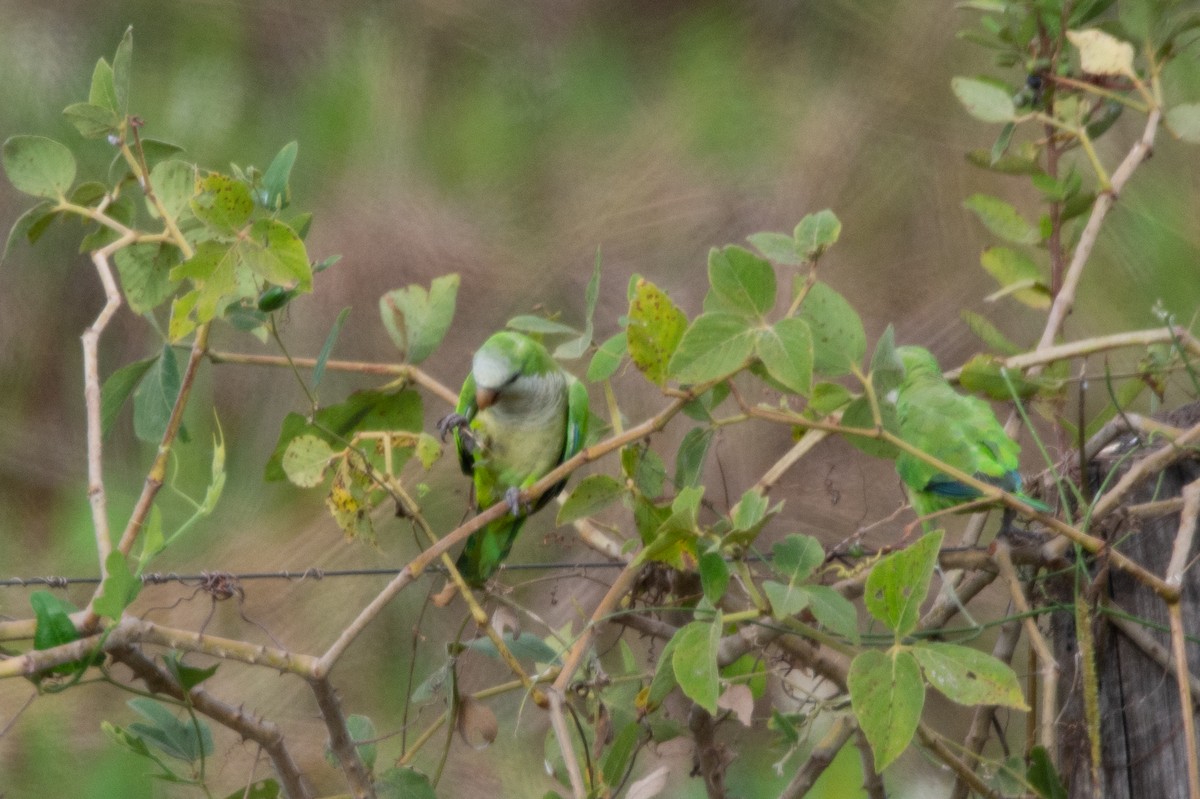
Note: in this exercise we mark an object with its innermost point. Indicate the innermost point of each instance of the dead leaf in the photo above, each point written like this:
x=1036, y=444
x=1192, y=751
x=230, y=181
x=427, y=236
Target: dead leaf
x=649, y=786
x=740, y=700
x=477, y=724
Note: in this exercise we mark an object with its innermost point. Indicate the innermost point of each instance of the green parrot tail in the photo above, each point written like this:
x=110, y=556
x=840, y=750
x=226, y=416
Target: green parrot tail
x=486, y=549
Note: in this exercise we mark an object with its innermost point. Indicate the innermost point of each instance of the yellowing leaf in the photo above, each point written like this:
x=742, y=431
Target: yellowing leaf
x=656, y=326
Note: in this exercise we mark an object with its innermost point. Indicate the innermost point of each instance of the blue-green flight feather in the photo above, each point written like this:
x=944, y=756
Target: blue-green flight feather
x=958, y=430
x=523, y=417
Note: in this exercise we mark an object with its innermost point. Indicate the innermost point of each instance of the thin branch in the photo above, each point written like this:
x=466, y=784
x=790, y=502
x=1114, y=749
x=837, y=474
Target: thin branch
x=820, y=758
x=558, y=722
x=1151, y=648
x=934, y=743
x=340, y=741
x=981, y=723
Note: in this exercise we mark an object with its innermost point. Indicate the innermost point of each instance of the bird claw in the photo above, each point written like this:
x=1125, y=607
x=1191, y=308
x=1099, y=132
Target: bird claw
x=518, y=508
x=452, y=421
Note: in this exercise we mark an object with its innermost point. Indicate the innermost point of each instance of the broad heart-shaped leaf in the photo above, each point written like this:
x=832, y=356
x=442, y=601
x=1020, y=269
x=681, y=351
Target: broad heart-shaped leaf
x=777, y=247
x=690, y=457
x=274, y=252
x=695, y=662
x=594, y=493
x=404, y=783
x=837, y=332
x=887, y=695
x=102, y=92
x=119, y=588
x=145, y=271
x=155, y=397
x=362, y=410
x=607, y=359
x=715, y=346
x=796, y=556
x=714, y=575
x=816, y=233
x=117, y=388
x=38, y=166
x=1101, y=53
x=787, y=599
x=833, y=610
x=786, y=350
x=983, y=99
x=416, y=319
x=858, y=414
x=1002, y=219
x=305, y=460
x=968, y=676
x=175, y=737
x=1184, y=121
x=742, y=283
x=1013, y=268
x=655, y=328
x=222, y=203
x=30, y=226
x=899, y=582
x=92, y=121
x=54, y=625
x=174, y=183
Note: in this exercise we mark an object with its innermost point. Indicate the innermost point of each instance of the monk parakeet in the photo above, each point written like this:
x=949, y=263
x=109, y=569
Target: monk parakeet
x=959, y=430
x=519, y=415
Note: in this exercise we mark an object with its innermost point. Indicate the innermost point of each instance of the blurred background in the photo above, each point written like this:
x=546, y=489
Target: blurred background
x=506, y=142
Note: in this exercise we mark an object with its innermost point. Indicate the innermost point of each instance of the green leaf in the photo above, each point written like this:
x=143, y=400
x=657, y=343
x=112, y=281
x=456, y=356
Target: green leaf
x=152, y=538
x=827, y=398
x=983, y=99
x=184, y=740
x=742, y=283
x=887, y=370
x=1020, y=276
x=305, y=460
x=968, y=676
x=117, y=388
x=690, y=457
x=714, y=575
x=102, y=92
x=787, y=599
x=540, y=325
x=38, y=166
x=594, y=493
x=155, y=397
x=715, y=346
x=361, y=728
x=607, y=359
x=29, y=226
x=263, y=789
x=1184, y=121
x=416, y=319
x=327, y=349
x=122, y=67
x=616, y=760
x=187, y=676
x=1002, y=219
x=174, y=184
x=777, y=247
x=897, y=585
x=119, y=588
x=655, y=329
x=145, y=271
x=817, y=233
x=275, y=180
x=695, y=662
x=989, y=334
x=223, y=203
x=837, y=332
x=276, y=253
x=362, y=411
x=985, y=374
x=1042, y=776
x=833, y=610
x=887, y=695
x=795, y=558
x=404, y=783
x=525, y=646
x=646, y=468
x=750, y=510
x=786, y=350
x=92, y=121
x=54, y=625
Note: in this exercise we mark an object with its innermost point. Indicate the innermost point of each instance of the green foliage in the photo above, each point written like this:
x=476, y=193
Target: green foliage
x=417, y=320
x=119, y=589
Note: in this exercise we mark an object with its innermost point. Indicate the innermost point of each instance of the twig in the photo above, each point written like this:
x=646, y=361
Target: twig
x=265, y=733
x=405, y=371
x=1152, y=464
x=91, y=392
x=1179, y=559
x=934, y=743
x=709, y=757
x=1151, y=648
x=1065, y=299
x=1049, y=666
x=562, y=735
x=789, y=459
x=820, y=758
x=340, y=741
x=872, y=779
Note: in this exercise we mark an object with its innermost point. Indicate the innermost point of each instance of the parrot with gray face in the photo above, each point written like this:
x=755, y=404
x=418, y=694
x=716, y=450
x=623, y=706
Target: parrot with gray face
x=958, y=430
x=519, y=415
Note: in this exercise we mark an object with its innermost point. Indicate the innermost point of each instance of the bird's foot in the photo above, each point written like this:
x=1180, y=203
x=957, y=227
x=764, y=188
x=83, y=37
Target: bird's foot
x=452, y=421
x=518, y=508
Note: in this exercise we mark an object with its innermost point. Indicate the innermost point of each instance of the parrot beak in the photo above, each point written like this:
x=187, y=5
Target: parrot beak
x=486, y=397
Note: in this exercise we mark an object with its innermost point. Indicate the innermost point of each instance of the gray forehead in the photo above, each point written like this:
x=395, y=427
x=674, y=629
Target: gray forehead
x=489, y=371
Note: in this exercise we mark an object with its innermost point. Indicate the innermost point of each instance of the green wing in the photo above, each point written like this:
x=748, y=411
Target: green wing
x=466, y=407
x=577, y=419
